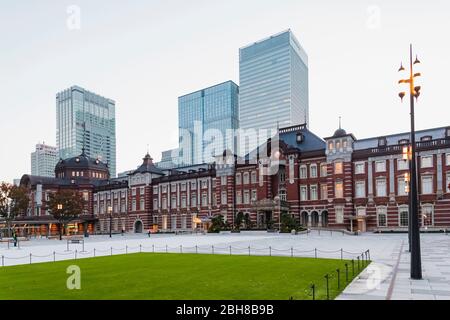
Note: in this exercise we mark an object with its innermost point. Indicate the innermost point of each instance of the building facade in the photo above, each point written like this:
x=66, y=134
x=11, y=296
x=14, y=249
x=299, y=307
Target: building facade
x=169, y=159
x=43, y=160
x=208, y=119
x=85, y=119
x=338, y=182
x=273, y=83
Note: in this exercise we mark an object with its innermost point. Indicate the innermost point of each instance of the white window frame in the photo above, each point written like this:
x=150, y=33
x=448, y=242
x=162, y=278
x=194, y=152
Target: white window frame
x=378, y=194
x=402, y=165
x=313, y=173
x=223, y=198
x=359, y=183
x=402, y=209
x=238, y=178
x=447, y=159
x=423, y=178
x=303, y=172
x=339, y=215
x=447, y=184
x=304, y=193
x=323, y=173
x=383, y=168
x=360, y=165
x=422, y=208
x=424, y=164
x=323, y=195
x=246, y=178
x=401, y=185
x=314, y=195
x=382, y=211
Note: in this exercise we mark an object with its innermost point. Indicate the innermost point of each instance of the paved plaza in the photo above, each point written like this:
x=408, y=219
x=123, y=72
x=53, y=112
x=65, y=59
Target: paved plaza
x=387, y=278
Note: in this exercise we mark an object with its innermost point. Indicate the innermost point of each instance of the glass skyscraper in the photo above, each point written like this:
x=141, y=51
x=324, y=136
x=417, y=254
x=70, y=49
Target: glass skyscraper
x=208, y=119
x=86, y=119
x=273, y=83
x=44, y=160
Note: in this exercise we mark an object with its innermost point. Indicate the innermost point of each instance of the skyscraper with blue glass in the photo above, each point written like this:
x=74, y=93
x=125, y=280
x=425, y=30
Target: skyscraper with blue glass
x=273, y=83
x=208, y=119
x=86, y=119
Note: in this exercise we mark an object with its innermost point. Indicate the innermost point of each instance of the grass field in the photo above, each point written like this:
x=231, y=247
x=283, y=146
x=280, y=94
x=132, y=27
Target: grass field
x=173, y=277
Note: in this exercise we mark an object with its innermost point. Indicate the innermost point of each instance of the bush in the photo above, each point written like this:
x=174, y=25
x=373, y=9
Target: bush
x=217, y=224
x=288, y=223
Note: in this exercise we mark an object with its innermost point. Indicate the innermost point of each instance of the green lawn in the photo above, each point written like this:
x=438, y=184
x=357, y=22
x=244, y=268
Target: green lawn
x=175, y=276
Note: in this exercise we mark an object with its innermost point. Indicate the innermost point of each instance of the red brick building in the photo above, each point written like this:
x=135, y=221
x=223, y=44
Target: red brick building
x=336, y=182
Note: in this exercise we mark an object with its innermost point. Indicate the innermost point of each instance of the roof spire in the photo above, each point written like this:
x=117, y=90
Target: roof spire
x=340, y=124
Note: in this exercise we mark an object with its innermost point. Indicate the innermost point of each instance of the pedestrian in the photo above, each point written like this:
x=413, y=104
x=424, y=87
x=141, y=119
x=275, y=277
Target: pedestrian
x=149, y=232
x=123, y=232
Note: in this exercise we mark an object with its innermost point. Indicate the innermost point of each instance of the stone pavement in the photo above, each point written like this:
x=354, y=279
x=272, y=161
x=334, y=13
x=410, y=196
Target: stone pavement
x=388, y=277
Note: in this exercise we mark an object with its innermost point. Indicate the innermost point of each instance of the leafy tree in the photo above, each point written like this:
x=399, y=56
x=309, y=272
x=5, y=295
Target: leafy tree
x=247, y=221
x=65, y=206
x=217, y=224
x=288, y=223
x=238, y=221
x=14, y=201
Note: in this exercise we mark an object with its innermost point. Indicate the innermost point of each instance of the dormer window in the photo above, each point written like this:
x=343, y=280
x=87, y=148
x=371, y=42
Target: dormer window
x=77, y=160
x=300, y=137
x=403, y=141
x=330, y=145
x=447, y=132
x=426, y=138
x=382, y=142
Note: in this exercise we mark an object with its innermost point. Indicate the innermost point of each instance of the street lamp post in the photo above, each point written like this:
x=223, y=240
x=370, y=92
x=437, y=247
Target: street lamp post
x=414, y=229
x=60, y=207
x=110, y=221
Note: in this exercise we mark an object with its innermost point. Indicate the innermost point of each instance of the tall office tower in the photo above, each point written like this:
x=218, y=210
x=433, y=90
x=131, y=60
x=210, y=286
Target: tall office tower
x=169, y=159
x=85, y=119
x=273, y=83
x=44, y=160
x=208, y=119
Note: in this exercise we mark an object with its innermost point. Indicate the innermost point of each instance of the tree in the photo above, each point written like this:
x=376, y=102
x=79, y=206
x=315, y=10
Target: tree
x=247, y=221
x=288, y=223
x=14, y=201
x=65, y=206
x=238, y=221
x=217, y=224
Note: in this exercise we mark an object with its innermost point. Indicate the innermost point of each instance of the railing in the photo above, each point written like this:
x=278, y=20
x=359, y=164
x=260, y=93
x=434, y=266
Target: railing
x=202, y=249
x=358, y=265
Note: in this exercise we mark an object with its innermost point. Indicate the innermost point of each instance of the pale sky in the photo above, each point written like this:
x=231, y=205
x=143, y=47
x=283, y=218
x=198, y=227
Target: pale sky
x=144, y=54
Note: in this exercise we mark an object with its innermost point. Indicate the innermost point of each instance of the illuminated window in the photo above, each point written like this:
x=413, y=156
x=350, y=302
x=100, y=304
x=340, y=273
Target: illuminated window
x=427, y=215
x=401, y=185
x=323, y=170
x=339, y=189
x=338, y=168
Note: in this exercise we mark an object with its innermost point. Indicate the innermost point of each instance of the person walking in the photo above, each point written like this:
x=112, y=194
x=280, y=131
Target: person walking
x=15, y=238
